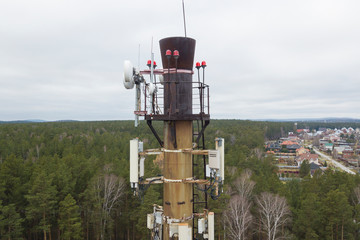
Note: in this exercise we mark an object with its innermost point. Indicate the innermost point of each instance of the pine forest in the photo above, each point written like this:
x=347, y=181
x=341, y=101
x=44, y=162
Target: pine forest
x=70, y=180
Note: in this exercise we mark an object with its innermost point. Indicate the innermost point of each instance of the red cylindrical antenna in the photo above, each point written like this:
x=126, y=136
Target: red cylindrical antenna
x=148, y=63
x=154, y=64
x=203, y=64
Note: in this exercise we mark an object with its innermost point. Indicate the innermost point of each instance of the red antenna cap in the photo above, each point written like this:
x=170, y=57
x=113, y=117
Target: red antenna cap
x=155, y=64
x=168, y=52
x=197, y=65
x=149, y=63
x=203, y=64
x=176, y=53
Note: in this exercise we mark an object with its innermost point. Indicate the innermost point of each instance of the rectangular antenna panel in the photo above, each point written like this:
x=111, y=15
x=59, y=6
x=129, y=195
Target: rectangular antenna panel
x=141, y=147
x=134, y=161
x=201, y=225
x=150, y=221
x=158, y=218
x=211, y=231
x=214, y=159
x=142, y=166
x=220, y=145
x=208, y=170
x=174, y=230
x=184, y=231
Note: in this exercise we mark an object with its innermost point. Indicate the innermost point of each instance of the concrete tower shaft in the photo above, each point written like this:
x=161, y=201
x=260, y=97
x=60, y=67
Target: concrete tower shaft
x=177, y=199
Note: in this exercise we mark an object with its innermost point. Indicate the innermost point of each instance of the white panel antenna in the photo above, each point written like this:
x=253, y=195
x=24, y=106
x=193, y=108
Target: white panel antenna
x=201, y=225
x=134, y=162
x=208, y=170
x=184, y=231
x=150, y=221
x=211, y=230
x=142, y=166
x=220, y=145
x=173, y=230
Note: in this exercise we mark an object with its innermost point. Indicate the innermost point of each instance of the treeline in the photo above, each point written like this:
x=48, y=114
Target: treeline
x=332, y=125
x=69, y=180
x=60, y=180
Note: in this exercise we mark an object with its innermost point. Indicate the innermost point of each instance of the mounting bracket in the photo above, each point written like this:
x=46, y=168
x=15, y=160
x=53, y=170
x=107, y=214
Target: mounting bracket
x=149, y=123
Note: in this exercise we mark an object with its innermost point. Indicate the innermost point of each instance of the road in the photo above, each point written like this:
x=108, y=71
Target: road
x=337, y=164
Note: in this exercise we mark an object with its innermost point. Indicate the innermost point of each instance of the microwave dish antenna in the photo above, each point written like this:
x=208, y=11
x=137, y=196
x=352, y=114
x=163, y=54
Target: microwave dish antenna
x=128, y=75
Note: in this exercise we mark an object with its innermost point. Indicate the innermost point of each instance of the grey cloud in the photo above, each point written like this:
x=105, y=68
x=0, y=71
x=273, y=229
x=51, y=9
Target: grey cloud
x=282, y=59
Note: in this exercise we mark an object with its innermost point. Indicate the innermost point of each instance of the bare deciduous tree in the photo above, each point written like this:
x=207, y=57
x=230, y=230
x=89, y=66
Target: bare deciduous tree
x=274, y=214
x=238, y=217
x=316, y=141
x=357, y=195
x=231, y=170
x=243, y=185
x=258, y=152
x=108, y=189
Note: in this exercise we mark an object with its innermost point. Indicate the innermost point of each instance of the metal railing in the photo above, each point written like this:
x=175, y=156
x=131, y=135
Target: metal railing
x=200, y=99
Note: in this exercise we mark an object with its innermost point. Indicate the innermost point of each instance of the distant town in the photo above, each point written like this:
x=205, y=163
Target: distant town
x=312, y=151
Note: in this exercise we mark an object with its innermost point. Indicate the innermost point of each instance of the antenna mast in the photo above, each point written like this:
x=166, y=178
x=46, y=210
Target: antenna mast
x=183, y=7
x=190, y=172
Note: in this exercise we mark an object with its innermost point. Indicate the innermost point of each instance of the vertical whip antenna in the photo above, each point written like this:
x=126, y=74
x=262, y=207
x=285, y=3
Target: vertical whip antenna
x=152, y=61
x=183, y=7
x=139, y=57
x=152, y=76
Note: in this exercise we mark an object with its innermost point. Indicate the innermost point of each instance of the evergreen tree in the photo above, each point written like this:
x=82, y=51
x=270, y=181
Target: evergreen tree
x=304, y=169
x=337, y=216
x=151, y=197
x=14, y=180
x=307, y=223
x=10, y=223
x=47, y=161
x=42, y=200
x=69, y=219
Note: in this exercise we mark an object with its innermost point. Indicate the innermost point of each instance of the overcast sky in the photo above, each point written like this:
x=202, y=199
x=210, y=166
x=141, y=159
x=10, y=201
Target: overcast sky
x=63, y=59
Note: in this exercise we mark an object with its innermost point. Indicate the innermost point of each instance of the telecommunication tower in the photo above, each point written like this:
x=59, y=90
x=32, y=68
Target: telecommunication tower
x=191, y=173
